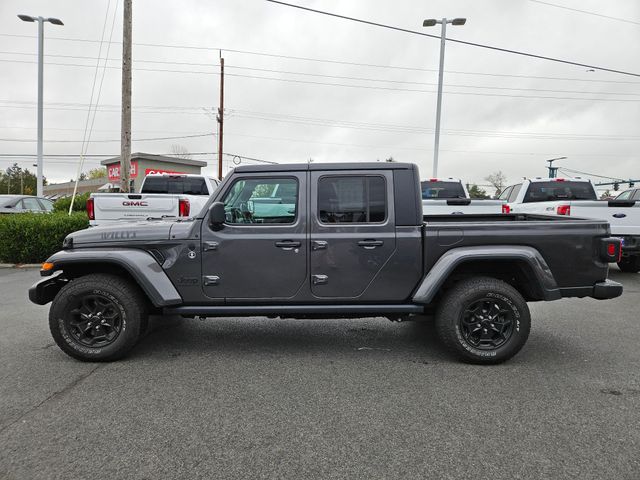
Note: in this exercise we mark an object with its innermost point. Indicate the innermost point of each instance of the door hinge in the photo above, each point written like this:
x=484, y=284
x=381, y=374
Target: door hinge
x=319, y=279
x=211, y=280
x=206, y=246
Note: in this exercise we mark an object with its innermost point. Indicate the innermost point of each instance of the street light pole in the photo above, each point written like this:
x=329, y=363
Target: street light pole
x=443, y=37
x=41, y=21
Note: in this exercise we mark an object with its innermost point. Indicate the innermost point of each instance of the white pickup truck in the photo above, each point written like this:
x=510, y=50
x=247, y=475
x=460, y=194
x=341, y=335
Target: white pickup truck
x=162, y=195
x=446, y=196
x=577, y=197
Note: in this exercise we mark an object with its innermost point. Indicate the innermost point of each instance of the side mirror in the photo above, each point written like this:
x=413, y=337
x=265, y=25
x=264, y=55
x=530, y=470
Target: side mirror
x=216, y=215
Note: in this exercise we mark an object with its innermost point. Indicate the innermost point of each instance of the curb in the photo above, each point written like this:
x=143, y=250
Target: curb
x=20, y=265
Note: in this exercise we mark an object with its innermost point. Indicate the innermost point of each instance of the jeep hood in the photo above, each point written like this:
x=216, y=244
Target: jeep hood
x=129, y=232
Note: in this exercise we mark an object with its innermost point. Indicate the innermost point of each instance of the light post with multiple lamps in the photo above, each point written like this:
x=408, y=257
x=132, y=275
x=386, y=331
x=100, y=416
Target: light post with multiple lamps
x=430, y=23
x=41, y=21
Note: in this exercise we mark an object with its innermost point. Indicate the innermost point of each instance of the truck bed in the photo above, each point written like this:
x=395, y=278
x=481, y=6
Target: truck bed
x=557, y=238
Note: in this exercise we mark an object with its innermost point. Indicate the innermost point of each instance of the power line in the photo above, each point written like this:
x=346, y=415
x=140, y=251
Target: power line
x=291, y=57
x=586, y=11
x=463, y=42
x=24, y=140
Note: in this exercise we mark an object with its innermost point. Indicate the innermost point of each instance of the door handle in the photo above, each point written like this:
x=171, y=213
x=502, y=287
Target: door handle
x=319, y=245
x=370, y=244
x=288, y=244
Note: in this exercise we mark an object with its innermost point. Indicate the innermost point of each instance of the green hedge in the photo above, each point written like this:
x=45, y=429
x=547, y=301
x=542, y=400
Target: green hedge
x=79, y=204
x=33, y=237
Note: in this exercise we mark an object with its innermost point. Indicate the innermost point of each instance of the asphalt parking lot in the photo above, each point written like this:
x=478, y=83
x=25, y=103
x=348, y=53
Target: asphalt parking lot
x=257, y=398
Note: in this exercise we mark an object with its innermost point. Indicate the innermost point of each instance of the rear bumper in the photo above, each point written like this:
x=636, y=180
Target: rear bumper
x=601, y=290
x=606, y=289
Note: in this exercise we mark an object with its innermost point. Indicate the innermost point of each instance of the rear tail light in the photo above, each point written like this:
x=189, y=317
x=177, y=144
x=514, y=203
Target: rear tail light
x=558, y=179
x=183, y=207
x=506, y=208
x=91, y=213
x=611, y=249
x=564, y=210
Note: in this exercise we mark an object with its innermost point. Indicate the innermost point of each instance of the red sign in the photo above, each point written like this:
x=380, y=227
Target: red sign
x=114, y=171
x=160, y=170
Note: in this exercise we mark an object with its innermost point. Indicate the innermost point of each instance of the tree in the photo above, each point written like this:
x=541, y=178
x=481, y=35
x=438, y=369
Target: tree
x=606, y=195
x=476, y=192
x=16, y=180
x=180, y=151
x=97, y=173
x=497, y=180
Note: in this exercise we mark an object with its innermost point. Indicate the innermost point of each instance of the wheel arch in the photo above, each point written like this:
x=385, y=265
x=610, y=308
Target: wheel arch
x=137, y=265
x=522, y=267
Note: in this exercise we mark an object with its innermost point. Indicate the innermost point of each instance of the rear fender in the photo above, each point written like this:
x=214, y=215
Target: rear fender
x=453, y=258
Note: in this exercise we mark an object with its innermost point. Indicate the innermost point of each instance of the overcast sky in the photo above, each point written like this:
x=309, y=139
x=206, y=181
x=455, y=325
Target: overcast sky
x=500, y=111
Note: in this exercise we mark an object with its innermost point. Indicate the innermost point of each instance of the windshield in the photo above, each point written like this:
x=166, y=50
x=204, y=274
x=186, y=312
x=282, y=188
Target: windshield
x=168, y=184
x=552, y=191
x=8, y=200
x=438, y=189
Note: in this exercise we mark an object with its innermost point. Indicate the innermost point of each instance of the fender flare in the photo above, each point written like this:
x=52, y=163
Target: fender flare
x=141, y=265
x=435, y=278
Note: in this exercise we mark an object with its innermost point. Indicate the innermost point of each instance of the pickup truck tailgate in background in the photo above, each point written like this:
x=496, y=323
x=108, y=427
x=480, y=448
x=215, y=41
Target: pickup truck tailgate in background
x=110, y=206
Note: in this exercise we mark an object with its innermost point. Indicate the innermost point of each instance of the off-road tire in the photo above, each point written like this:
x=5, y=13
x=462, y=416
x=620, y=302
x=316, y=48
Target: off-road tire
x=453, y=312
x=630, y=264
x=122, y=296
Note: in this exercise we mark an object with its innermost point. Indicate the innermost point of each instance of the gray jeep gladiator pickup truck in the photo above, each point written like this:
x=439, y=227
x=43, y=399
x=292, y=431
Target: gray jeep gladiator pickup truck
x=324, y=241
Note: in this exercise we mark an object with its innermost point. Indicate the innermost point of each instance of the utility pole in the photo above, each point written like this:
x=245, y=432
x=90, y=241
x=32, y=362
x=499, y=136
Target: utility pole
x=220, y=117
x=553, y=171
x=125, y=137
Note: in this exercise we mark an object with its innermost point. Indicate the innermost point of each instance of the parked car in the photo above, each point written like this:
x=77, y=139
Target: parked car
x=161, y=195
x=577, y=197
x=24, y=204
x=339, y=240
x=450, y=196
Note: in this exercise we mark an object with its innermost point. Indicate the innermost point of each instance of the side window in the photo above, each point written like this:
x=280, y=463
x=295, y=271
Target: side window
x=352, y=199
x=514, y=193
x=504, y=195
x=46, y=204
x=625, y=195
x=262, y=200
x=31, y=204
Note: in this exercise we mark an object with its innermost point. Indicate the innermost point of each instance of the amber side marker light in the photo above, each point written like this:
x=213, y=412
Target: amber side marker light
x=46, y=269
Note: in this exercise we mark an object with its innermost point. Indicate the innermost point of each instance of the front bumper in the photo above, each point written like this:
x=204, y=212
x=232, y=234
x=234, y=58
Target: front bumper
x=43, y=291
x=606, y=289
x=630, y=244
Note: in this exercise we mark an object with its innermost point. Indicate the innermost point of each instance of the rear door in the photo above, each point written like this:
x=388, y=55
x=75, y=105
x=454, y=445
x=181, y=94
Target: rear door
x=352, y=230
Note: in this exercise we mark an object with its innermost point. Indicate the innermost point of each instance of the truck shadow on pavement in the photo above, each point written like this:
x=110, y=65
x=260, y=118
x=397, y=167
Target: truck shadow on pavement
x=175, y=336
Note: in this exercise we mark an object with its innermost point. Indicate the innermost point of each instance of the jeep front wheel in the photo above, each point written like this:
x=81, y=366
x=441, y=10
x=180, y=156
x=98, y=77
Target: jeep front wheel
x=483, y=321
x=97, y=317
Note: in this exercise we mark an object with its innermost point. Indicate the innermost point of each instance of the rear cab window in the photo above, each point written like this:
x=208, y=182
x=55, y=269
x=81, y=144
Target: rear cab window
x=559, y=190
x=352, y=199
x=433, y=189
x=175, y=185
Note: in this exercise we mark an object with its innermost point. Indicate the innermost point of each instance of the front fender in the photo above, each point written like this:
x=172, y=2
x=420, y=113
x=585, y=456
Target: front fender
x=144, y=269
x=457, y=256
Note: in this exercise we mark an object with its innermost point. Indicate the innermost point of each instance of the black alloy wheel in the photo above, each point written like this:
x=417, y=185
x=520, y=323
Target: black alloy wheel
x=96, y=322
x=487, y=323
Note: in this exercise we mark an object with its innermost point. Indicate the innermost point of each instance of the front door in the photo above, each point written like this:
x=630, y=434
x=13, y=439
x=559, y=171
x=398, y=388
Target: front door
x=261, y=251
x=352, y=231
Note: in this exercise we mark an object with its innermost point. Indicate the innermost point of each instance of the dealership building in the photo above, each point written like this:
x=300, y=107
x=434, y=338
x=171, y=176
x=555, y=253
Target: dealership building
x=143, y=164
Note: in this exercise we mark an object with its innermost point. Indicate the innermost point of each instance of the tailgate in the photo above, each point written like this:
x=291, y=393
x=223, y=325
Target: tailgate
x=461, y=206
x=116, y=206
x=622, y=215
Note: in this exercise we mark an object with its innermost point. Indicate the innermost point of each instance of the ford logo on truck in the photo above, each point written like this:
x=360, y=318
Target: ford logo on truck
x=135, y=204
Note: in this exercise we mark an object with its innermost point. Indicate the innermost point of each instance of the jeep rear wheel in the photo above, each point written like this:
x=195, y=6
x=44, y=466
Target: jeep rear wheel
x=97, y=317
x=483, y=320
